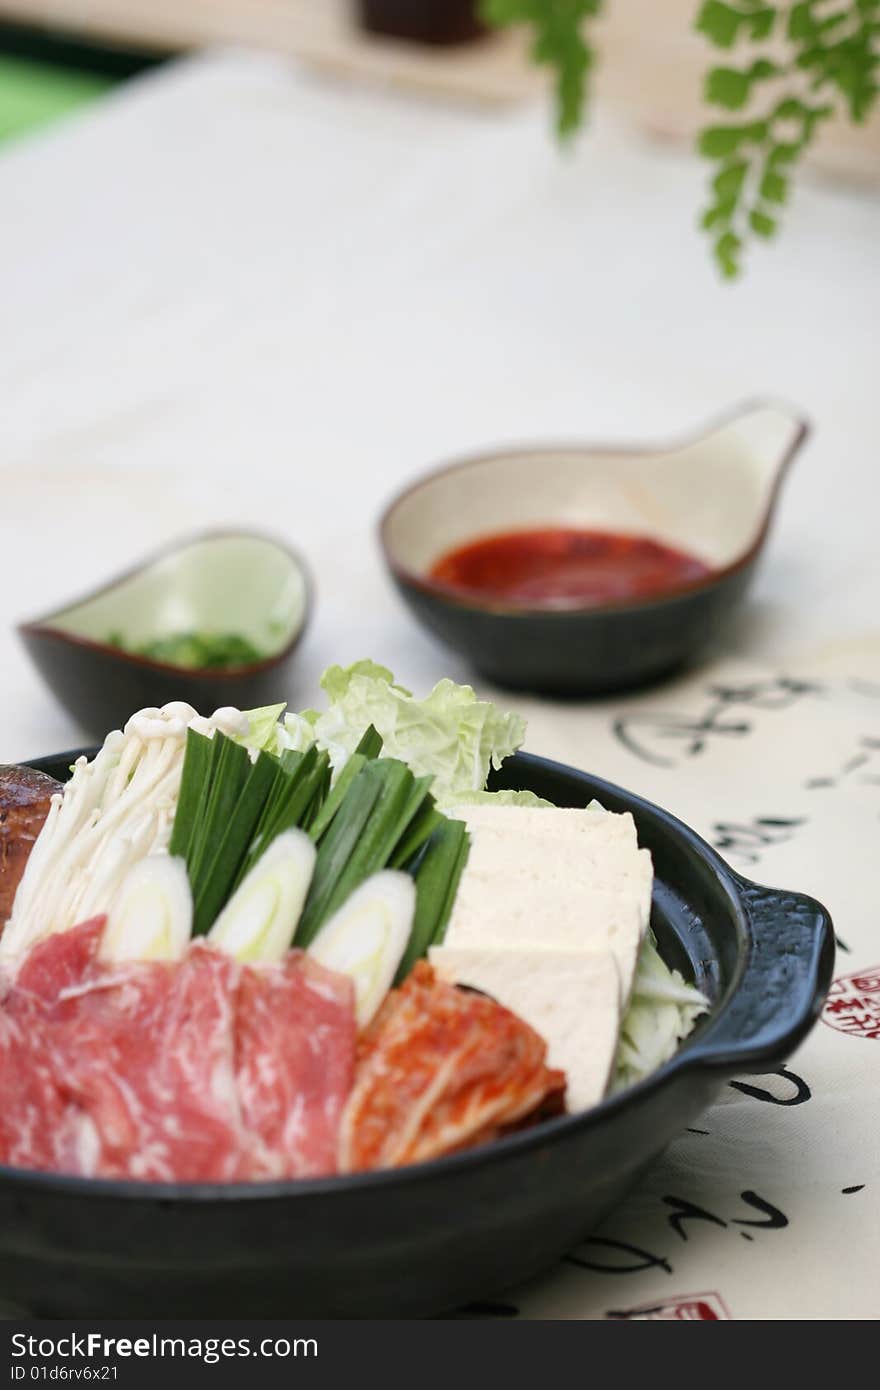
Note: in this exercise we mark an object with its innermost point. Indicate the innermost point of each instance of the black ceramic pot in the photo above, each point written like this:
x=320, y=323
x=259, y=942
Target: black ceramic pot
x=431, y=1237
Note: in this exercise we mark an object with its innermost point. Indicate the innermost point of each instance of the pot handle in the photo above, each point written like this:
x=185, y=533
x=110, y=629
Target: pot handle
x=782, y=987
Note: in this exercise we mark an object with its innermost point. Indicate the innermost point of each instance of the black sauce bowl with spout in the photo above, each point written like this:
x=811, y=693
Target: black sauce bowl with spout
x=712, y=496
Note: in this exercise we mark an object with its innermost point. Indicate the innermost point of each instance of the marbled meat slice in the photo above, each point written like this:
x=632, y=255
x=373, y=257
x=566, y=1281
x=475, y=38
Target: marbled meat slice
x=194, y=1123
x=41, y=1126
x=196, y=1070
x=151, y=1058
x=62, y=962
x=441, y=1069
x=296, y=1050
x=34, y=1114
x=143, y=1057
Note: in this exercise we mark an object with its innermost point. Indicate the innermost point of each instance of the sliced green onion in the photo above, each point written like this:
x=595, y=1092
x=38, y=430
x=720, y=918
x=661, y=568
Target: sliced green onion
x=259, y=921
x=152, y=913
x=366, y=937
x=437, y=878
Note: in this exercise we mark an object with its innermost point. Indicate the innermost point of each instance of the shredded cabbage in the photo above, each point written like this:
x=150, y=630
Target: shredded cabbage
x=503, y=798
x=450, y=735
x=662, y=1012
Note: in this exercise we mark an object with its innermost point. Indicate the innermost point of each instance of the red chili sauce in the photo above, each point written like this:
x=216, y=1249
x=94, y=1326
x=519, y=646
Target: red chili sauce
x=559, y=566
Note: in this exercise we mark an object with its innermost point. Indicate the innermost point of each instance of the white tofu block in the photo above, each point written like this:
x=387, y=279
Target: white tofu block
x=610, y=867
x=552, y=877
x=523, y=911
x=570, y=997
x=551, y=822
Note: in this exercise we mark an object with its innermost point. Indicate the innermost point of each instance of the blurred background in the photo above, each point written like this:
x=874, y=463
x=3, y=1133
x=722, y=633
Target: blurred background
x=61, y=53
x=265, y=261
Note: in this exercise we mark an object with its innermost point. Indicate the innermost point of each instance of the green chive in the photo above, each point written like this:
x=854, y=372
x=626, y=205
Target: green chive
x=230, y=765
x=419, y=797
x=437, y=879
x=421, y=828
x=308, y=784
x=335, y=849
x=381, y=832
x=290, y=766
x=458, y=868
x=292, y=794
x=216, y=880
x=193, y=788
x=337, y=795
x=370, y=745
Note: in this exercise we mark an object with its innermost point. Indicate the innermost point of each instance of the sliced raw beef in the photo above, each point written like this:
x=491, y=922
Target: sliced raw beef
x=189, y=1092
x=441, y=1069
x=197, y=1070
x=33, y=1111
x=62, y=962
x=296, y=1048
x=144, y=1052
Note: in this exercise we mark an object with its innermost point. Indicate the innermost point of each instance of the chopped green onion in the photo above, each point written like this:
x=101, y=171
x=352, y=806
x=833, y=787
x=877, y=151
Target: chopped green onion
x=206, y=651
x=152, y=913
x=366, y=937
x=258, y=922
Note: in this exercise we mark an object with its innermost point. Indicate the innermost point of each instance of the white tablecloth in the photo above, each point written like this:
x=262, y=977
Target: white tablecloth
x=238, y=292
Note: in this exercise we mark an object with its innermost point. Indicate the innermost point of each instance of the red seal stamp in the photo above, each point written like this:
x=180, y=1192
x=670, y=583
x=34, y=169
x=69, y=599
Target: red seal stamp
x=853, y=1004
x=688, y=1307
